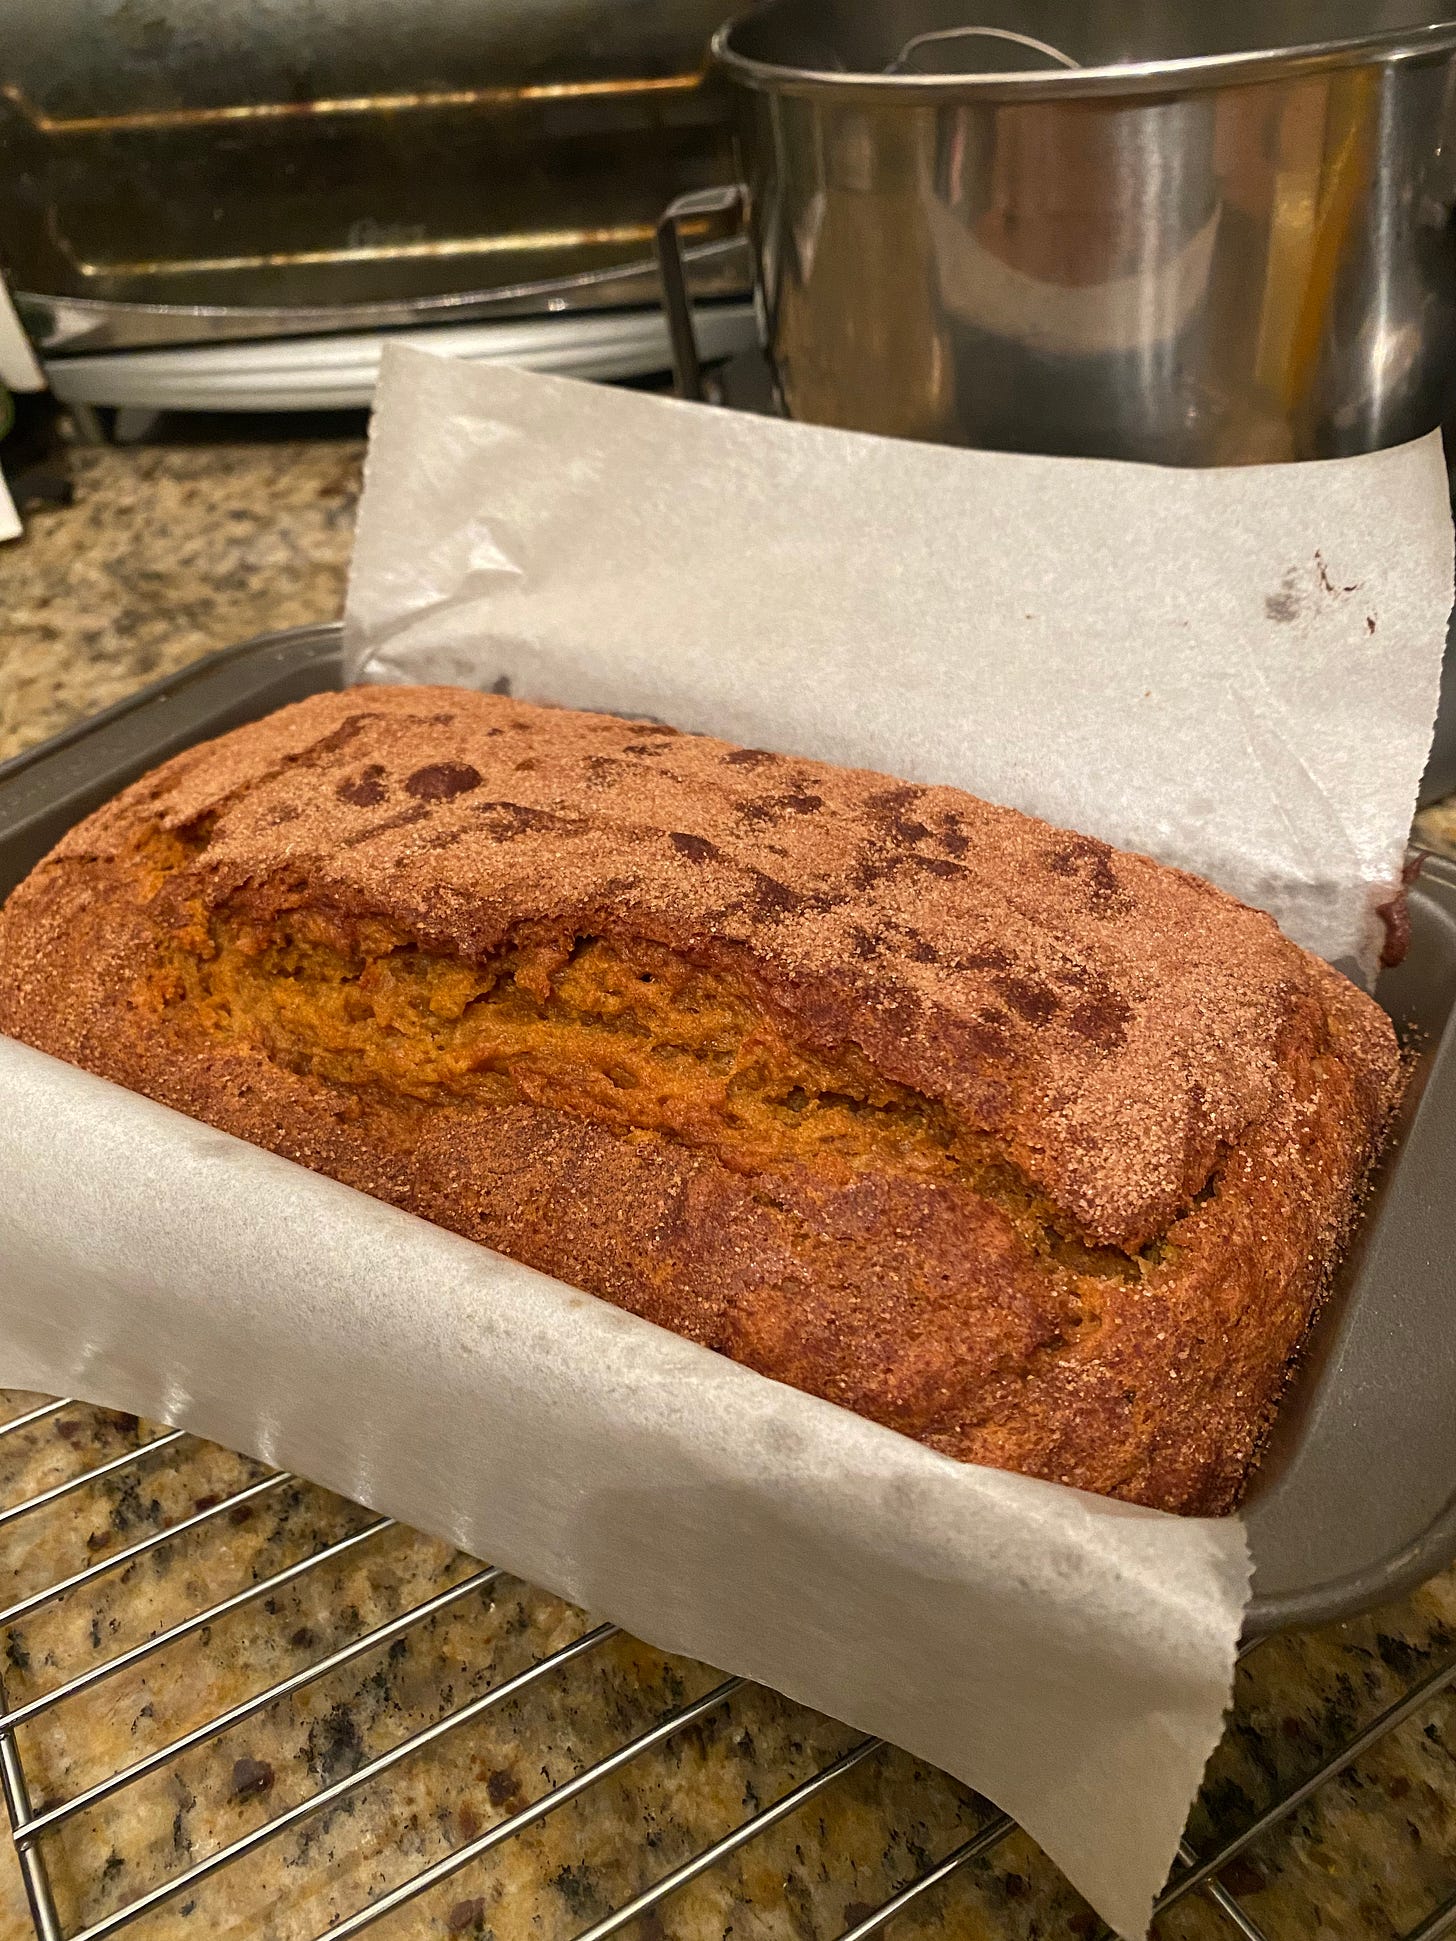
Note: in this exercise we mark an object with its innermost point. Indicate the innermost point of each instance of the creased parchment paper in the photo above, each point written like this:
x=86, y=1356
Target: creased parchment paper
x=1067, y=1654
x=1236, y=671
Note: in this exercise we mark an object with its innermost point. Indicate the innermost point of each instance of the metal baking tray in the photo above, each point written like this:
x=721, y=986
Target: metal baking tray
x=1355, y=1501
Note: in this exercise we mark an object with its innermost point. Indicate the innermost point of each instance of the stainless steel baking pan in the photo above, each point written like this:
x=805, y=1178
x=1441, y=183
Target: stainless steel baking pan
x=1356, y=1499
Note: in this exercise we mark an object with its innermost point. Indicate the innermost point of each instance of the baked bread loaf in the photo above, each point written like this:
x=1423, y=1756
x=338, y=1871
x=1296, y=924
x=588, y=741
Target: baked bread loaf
x=1034, y=1150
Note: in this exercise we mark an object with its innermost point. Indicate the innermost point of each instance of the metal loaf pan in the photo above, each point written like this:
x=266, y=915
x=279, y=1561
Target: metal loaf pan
x=1355, y=1501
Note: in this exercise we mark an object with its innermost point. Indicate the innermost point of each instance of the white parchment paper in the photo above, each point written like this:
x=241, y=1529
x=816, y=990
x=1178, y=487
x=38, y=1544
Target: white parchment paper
x=1237, y=671
x=1069, y=1655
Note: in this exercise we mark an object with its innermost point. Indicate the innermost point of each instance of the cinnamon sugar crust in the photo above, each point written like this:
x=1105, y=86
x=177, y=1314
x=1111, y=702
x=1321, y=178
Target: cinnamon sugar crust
x=1031, y=1148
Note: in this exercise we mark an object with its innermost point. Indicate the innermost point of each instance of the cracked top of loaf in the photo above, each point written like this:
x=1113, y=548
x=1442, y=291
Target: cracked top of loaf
x=1034, y=1149
x=1115, y=1023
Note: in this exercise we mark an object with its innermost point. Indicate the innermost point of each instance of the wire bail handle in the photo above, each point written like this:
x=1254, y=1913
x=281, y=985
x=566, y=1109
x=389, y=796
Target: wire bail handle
x=1044, y=47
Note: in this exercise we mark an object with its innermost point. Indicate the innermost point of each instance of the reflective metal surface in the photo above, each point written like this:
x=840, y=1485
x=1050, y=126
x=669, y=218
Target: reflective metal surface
x=65, y=324
x=334, y=371
x=193, y=169
x=1135, y=233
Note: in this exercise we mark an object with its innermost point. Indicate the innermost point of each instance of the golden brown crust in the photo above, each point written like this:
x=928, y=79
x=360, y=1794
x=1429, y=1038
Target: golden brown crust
x=1174, y=1077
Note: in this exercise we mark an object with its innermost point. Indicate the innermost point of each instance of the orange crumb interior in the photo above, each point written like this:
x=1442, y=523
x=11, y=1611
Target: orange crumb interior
x=634, y=1038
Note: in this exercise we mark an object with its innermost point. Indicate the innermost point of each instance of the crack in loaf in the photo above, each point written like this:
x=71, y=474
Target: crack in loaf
x=1034, y=1150
x=628, y=1035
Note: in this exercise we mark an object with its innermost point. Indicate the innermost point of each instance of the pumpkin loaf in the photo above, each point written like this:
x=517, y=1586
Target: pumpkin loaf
x=1034, y=1150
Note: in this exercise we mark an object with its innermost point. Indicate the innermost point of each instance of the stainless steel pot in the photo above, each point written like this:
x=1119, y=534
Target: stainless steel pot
x=1136, y=231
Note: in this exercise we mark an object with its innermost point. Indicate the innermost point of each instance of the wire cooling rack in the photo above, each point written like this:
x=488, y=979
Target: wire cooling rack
x=84, y=1696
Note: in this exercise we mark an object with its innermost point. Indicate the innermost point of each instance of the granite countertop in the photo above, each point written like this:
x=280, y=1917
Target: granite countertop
x=168, y=553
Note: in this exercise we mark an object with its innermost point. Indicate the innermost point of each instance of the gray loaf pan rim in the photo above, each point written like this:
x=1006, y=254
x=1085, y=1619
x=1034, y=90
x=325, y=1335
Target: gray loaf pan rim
x=1355, y=1501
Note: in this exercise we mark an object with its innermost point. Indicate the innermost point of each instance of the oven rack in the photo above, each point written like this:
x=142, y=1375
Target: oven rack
x=31, y=1827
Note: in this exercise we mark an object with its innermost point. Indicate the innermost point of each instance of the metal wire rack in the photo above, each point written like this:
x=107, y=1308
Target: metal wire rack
x=39, y=1826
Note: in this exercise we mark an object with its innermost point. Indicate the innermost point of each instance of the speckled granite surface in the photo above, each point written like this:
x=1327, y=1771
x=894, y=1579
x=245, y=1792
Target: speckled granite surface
x=167, y=554
x=1367, y=1857
x=1436, y=826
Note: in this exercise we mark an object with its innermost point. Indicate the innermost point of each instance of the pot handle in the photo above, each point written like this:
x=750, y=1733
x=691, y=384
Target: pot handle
x=687, y=369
